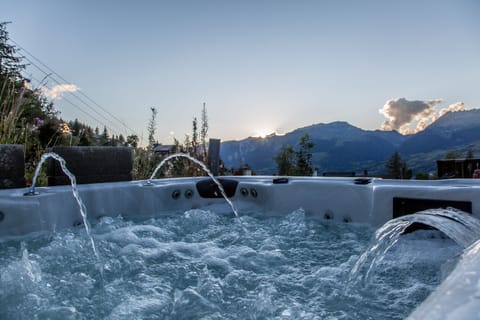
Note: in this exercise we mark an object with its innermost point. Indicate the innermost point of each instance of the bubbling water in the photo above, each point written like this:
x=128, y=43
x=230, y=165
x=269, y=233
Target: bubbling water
x=198, y=264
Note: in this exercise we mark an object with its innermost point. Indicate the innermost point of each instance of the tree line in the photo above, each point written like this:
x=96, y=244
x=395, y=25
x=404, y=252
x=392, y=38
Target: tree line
x=194, y=145
x=297, y=161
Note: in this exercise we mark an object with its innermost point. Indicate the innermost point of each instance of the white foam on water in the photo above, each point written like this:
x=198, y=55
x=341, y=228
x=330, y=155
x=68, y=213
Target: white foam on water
x=200, y=264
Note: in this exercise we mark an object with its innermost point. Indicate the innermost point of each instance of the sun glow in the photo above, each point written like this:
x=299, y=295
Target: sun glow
x=262, y=133
x=265, y=132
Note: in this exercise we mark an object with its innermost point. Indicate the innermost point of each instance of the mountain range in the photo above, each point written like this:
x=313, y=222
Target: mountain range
x=342, y=147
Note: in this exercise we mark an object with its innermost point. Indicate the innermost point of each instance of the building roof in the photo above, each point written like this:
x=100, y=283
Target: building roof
x=163, y=148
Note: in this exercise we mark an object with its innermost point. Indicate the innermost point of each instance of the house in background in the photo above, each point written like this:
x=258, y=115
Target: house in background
x=164, y=149
x=458, y=168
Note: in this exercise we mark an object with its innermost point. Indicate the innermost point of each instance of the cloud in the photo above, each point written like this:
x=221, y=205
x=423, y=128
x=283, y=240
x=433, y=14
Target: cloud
x=56, y=92
x=401, y=112
x=459, y=106
x=421, y=125
x=410, y=117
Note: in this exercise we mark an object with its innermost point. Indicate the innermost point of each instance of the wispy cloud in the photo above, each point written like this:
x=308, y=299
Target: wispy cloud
x=409, y=117
x=56, y=92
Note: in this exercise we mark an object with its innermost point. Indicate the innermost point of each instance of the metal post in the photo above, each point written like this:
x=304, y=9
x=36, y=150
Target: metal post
x=214, y=156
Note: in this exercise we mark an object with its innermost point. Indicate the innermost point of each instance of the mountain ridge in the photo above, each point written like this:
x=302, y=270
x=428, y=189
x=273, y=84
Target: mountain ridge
x=340, y=146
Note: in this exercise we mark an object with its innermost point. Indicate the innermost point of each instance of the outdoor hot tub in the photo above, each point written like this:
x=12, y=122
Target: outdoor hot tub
x=279, y=248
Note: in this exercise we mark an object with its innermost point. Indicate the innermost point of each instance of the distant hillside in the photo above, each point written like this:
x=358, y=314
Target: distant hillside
x=449, y=131
x=340, y=146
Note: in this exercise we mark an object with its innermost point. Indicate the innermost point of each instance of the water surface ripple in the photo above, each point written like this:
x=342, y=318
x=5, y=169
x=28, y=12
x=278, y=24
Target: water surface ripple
x=201, y=265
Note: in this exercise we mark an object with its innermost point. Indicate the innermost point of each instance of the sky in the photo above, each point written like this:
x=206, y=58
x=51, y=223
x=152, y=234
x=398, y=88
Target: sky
x=259, y=66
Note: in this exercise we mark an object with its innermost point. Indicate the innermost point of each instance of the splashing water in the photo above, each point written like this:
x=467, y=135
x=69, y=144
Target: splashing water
x=201, y=265
x=203, y=167
x=76, y=195
x=456, y=225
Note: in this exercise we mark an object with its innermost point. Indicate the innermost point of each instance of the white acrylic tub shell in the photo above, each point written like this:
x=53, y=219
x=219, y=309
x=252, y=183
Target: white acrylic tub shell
x=338, y=198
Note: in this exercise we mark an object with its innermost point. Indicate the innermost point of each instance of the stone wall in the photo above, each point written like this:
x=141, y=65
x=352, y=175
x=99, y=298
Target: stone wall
x=91, y=164
x=12, y=166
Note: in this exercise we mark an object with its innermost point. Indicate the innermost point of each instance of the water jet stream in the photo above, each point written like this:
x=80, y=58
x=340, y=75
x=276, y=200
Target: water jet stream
x=455, y=224
x=203, y=167
x=76, y=195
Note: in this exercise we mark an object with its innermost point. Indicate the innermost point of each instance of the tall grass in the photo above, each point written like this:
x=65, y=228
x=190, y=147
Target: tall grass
x=11, y=109
x=14, y=128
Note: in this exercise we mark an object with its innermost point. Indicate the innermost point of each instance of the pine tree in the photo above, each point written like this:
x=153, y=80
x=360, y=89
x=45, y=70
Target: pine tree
x=194, y=136
x=298, y=163
x=152, y=127
x=104, y=138
x=84, y=141
x=121, y=139
x=11, y=65
x=397, y=168
x=394, y=166
x=304, y=156
x=75, y=127
x=286, y=161
x=204, y=133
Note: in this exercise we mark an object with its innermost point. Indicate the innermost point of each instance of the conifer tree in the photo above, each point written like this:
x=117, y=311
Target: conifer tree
x=296, y=163
x=104, y=138
x=152, y=127
x=397, y=168
x=304, y=156
x=286, y=160
x=204, y=133
x=11, y=65
x=194, y=136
